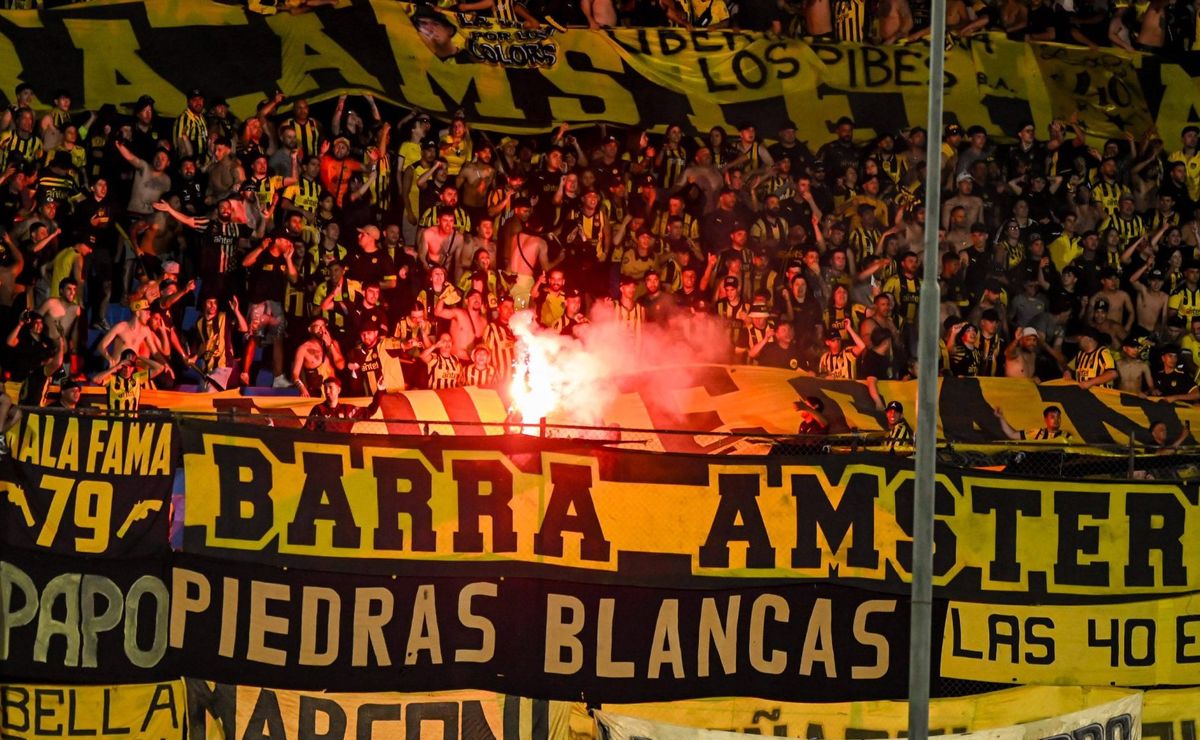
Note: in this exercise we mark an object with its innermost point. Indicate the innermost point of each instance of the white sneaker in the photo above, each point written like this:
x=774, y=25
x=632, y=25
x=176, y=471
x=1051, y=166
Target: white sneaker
x=281, y=382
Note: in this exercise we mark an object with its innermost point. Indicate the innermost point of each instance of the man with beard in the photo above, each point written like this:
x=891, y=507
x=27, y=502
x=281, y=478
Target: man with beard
x=363, y=364
x=220, y=241
x=467, y=322
x=500, y=340
x=473, y=182
x=338, y=168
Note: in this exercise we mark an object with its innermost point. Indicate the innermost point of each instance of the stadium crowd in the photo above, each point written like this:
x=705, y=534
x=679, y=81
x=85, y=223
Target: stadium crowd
x=1163, y=27
x=369, y=251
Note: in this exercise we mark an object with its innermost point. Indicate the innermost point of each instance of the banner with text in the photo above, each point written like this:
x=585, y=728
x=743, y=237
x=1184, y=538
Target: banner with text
x=311, y=630
x=82, y=484
x=510, y=78
x=147, y=711
x=1140, y=643
x=220, y=711
x=520, y=505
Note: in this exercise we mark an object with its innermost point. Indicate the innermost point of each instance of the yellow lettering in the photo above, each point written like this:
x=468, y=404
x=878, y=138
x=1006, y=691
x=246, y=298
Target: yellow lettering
x=68, y=454
x=113, y=457
x=94, y=444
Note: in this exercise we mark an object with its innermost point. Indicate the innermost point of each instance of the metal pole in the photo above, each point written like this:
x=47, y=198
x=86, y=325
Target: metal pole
x=920, y=639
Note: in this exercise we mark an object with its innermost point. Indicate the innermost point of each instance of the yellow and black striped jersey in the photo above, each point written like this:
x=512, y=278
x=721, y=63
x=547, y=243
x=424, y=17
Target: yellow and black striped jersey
x=443, y=372
x=16, y=149
x=840, y=366
x=850, y=20
x=473, y=375
x=308, y=135
x=1089, y=365
x=304, y=194
x=1185, y=302
x=1130, y=229
x=194, y=129
x=1108, y=195
x=125, y=394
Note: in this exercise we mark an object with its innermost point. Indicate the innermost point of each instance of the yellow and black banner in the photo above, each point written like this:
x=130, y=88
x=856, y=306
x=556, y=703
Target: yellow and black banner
x=90, y=485
x=1139, y=643
x=220, y=711
x=744, y=402
x=147, y=711
x=87, y=619
x=395, y=504
x=113, y=53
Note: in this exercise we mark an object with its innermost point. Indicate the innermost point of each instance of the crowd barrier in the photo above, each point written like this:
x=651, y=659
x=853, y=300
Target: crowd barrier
x=641, y=77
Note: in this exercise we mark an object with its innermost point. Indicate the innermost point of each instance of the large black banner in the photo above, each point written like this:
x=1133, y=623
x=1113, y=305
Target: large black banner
x=87, y=621
x=459, y=507
x=87, y=485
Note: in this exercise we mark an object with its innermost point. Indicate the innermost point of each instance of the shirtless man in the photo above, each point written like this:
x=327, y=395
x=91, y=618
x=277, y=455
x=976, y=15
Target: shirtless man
x=529, y=252
x=1120, y=308
x=1020, y=357
x=467, y=322
x=1153, y=31
x=319, y=357
x=135, y=334
x=1133, y=373
x=61, y=313
x=475, y=180
x=440, y=245
x=818, y=19
x=895, y=20
x=965, y=197
x=1151, y=300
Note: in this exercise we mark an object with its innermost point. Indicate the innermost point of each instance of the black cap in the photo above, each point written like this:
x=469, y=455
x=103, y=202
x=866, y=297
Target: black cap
x=730, y=282
x=990, y=315
x=572, y=293
x=831, y=334
x=815, y=403
x=787, y=124
x=1170, y=349
x=195, y=92
x=70, y=383
x=1100, y=304
x=1130, y=341
x=1155, y=274
x=979, y=228
x=993, y=285
x=894, y=406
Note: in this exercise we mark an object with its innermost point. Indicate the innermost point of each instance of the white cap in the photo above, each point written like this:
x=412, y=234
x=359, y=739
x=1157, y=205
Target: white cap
x=171, y=267
x=1028, y=331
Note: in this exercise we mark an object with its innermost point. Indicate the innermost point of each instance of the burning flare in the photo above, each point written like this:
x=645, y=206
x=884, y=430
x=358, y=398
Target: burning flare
x=557, y=378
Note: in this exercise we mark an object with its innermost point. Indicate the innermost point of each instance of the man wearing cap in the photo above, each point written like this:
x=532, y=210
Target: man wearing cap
x=813, y=425
x=69, y=392
x=1189, y=155
x=778, y=348
x=1133, y=372
x=789, y=147
x=718, y=223
x=1051, y=428
x=838, y=362
x=1093, y=365
x=965, y=198
x=134, y=333
x=1171, y=382
x=190, y=133
x=899, y=432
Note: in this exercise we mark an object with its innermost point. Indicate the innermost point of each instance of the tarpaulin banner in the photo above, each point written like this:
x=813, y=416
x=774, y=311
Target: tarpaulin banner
x=220, y=711
x=145, y=711
x=82, y=484
x=745, y=401
x=1170, y=714
x=1140, y=643
x=1120, y=719
x=878, y=719
x=314, y=630
x=395, y=504
x=515, y=79
x=619, y=727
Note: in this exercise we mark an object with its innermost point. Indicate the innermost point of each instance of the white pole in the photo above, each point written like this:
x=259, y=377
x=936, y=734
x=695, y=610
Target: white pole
x=920, y=639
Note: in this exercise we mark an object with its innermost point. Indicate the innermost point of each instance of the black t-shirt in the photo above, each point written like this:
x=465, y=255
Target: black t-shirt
x=1174, y=383
x=775, y=356
x=874, y=365
x=268, y=278
x=375, y=267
